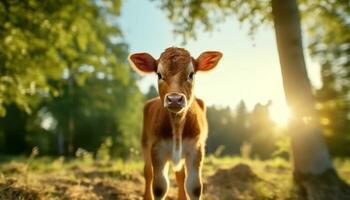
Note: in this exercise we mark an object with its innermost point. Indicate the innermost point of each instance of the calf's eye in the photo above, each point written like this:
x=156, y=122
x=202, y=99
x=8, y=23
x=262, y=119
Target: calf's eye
x=191, y=76
x=159, y=76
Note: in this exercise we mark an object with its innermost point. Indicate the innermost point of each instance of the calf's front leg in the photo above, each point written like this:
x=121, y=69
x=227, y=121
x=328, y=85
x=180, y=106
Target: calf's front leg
x=160, y=172
x=193, y=162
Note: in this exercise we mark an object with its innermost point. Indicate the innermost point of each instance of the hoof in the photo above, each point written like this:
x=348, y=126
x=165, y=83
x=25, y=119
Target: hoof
x=197, y=191
x=158, y=192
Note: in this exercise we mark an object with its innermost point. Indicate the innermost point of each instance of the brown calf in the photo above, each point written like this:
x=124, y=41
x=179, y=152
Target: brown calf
x=175, y=125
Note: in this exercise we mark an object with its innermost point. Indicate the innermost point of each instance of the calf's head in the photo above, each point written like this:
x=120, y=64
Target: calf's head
x=175, y=70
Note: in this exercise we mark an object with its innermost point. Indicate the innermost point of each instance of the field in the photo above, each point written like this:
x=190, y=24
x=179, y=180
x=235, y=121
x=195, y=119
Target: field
x=84, y=178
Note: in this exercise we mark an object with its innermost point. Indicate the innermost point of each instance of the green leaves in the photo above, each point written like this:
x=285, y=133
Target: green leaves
x=40, y=39
x=189, y=17
x=68, y=59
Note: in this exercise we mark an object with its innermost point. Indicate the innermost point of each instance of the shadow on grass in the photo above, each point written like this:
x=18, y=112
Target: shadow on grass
x=241, y=182
x=8, y=190
x=238, y=183
x=327, y=186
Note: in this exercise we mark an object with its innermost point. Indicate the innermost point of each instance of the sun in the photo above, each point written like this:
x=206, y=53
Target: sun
x=280, y=115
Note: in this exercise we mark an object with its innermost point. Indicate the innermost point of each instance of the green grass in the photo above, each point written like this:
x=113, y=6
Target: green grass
x=84, y=178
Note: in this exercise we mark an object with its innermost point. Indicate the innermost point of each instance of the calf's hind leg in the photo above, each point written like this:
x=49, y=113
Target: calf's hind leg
x=180, y=179
x=148, y=173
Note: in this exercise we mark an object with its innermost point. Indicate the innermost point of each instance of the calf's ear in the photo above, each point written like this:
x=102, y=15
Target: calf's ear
x=143, y=62
x=208, y=60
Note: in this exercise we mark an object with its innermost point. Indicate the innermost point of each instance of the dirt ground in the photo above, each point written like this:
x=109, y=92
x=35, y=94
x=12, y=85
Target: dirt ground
x=240, y=181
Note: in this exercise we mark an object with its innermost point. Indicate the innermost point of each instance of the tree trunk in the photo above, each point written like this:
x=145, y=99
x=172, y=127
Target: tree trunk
x=71, y=120
x=310, y=152
x=60, y=142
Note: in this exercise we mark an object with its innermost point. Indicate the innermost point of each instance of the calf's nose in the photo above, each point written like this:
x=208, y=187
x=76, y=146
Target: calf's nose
x=175, y=99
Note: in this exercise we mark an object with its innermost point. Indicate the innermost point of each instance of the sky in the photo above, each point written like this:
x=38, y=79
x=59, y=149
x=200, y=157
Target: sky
x=249, y=69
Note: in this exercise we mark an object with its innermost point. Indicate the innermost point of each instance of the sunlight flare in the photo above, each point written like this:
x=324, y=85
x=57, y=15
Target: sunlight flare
x=280, y=115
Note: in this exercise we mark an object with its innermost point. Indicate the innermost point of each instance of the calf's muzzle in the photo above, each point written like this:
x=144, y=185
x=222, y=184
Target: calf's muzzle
x=175, y=102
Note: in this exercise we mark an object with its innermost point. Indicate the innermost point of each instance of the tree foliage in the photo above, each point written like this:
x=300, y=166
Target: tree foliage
x=194, y=15
x=328, y=28
x=40, y=39
x=63, y=66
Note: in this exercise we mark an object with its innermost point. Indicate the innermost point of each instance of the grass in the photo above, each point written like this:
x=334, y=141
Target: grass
x=84, y=178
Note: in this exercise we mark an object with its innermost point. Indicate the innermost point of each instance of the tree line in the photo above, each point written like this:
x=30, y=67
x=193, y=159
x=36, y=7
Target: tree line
x=230, y=129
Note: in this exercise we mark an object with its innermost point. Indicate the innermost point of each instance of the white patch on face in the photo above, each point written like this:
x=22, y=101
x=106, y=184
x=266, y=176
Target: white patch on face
x=160, y=68
x=190, y=67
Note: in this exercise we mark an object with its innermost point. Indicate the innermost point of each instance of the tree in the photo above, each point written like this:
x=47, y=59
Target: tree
x=309, y=150
x=40, y=39
x=103, y=107
x=67, y=60
x=262, y=127
x=222, y=130
x=242, y=115
x=14, y=133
